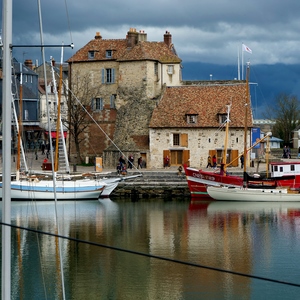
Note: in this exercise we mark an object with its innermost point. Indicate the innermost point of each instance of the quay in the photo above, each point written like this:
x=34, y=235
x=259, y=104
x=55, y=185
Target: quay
x=161, y=182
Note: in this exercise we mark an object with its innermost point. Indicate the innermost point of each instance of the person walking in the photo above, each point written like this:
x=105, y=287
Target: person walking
x=209, y=162
x=43, y=148
x=242, y=161
x=167, y=162
x=214, y=161
x=140, y=162
x=130, y=161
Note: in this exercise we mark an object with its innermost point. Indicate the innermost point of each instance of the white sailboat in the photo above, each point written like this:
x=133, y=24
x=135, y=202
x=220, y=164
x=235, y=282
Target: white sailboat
x=253, y=195
x=30, y=187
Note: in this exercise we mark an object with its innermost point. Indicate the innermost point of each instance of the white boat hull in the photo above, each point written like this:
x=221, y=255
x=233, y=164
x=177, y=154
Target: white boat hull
x=64, y=190
x=252, y=195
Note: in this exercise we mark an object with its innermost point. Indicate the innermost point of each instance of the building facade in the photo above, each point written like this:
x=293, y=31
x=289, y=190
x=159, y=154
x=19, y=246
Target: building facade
x=125, y=78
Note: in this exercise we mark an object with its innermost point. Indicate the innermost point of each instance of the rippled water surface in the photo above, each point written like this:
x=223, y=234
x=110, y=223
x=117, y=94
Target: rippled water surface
x=260, y=239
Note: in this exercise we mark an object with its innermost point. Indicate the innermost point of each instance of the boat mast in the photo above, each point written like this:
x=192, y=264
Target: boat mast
x=6, y=175
x=247, y=104
x=59, y=125
x=224, y=159
x=20, y=120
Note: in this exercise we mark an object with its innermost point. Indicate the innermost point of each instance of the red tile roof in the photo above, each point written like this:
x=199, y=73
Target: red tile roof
x=100, y=46
x=151, y=51
x=207, y=100
x=120, y=51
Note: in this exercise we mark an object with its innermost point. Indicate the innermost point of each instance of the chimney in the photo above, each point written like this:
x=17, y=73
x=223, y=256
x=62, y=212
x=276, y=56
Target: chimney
x=98, y=36
x=132, y=38
x=142, y=36
x=168, y=38
x=28, y=63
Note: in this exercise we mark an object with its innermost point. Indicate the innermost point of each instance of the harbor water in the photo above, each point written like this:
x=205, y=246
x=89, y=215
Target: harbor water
x=156, y=249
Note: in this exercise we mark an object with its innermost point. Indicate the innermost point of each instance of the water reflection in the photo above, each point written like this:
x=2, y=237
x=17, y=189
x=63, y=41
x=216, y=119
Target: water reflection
x=252, y=238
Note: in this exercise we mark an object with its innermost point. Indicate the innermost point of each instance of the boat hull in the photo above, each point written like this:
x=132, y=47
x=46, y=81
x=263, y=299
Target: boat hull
x=64, y=190
x=198, y=180
x=252, y=195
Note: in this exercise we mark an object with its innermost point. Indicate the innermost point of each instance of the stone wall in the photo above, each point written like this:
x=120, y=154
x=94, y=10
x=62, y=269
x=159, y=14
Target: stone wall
x=132, y=125
x=200, y=141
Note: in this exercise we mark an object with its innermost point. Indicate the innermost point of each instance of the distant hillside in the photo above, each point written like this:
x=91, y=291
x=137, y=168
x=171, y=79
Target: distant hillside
x=267, y=81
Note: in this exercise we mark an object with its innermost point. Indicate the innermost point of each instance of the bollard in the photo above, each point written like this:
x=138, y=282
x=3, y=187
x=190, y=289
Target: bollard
x=74, y=168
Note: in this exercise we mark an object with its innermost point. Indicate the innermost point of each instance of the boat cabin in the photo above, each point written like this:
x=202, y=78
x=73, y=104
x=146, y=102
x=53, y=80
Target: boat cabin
x=280, y=169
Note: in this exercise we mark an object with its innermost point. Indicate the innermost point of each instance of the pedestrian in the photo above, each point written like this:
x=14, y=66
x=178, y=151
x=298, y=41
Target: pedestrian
x=130, y=161
x=119, y=169
x=214, y=161
x=209, y=162
x=122, y=161
x=48, y=149
x=285, y=152
x=179, y=170
x=289, y=152
x=43, y=148
x=298, y=153
x=242, y=161
x=140, y=162
x=167, y=162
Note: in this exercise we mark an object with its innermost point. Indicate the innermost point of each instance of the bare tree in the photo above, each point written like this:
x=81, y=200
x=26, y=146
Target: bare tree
x=286, y=113
x=80, y=102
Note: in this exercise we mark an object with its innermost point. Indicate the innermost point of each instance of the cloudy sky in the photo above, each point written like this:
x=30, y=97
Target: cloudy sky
x=206, y=31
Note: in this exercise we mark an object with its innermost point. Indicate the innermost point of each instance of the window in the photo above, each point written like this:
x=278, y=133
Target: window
x=91, y=54
x=222, y=118
x=108, y=75
x=180, y=139
x=112, y=101
x=170, y=69
x=108, y=53
x=191, y=119
x=26, y=115
x=176, y=139
x=97, y=104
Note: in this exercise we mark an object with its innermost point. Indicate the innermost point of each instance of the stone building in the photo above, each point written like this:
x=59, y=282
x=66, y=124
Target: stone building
x=125, y=78
x=188, y=123
x=52, y=96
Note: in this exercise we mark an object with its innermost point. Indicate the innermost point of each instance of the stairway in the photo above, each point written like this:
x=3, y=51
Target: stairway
x=63, y=163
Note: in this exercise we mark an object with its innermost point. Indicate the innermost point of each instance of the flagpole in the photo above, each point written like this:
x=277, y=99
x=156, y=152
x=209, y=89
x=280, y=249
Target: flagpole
x=242, y=62
x=239, y=75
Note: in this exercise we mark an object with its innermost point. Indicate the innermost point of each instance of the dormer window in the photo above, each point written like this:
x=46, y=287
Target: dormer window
x=222, y=118
x=191, y=119
x=91, y=54
x=108, y=53
x=170, y=69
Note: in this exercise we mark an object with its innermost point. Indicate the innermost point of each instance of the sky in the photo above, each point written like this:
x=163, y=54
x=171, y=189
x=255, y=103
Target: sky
x=210, y=32
x=206, y=31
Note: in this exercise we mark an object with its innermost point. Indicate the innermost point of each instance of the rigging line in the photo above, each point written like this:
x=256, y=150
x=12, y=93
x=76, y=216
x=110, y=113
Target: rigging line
x=68, y=19
x=156, y=256
x=51, y=148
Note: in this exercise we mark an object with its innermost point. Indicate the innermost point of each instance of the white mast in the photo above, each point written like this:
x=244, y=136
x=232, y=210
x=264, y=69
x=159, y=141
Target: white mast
x=6, y=118
x=239, y=74
x=242, y=62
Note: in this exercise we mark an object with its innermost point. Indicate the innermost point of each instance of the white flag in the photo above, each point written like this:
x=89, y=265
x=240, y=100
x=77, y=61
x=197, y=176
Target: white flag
x=247, y=49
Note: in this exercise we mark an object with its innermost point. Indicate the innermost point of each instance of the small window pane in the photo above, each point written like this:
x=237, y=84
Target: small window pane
x=176, y=139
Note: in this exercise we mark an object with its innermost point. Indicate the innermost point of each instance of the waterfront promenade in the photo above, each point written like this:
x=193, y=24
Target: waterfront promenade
x=152, y=182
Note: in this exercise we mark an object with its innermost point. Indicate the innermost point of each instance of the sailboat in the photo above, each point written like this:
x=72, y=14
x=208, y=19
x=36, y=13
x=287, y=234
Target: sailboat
x=30, y=187
x=282, y=174
x=66, y=187
x=284, y=189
